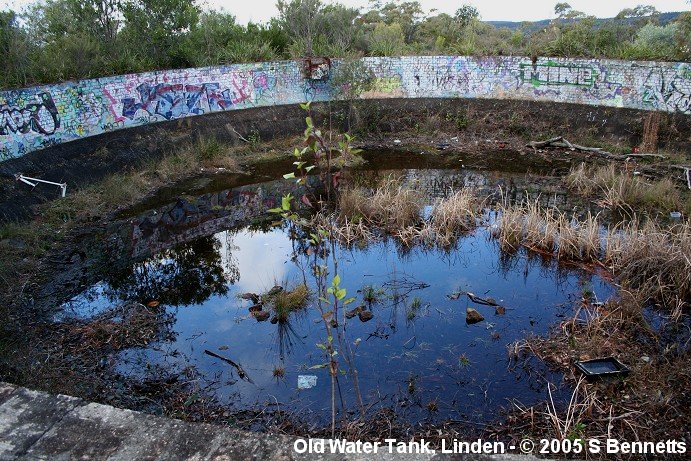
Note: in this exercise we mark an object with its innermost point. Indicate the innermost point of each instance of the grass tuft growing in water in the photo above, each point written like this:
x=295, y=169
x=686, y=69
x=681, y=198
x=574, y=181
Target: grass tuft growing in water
x=622, y=190
x=287, y=301
x=651, y=259
x=389, y=207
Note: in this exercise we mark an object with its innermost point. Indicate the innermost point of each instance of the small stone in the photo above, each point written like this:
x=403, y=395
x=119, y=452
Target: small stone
x=352, y=313
x=645, y=359
x=261, y=316
x=365, y=316
x=499, y=310
x=275, y=290
x=472, y=316
x=251, y=297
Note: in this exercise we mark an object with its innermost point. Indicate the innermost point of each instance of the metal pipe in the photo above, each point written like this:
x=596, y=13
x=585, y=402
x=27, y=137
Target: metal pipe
x=28, y=180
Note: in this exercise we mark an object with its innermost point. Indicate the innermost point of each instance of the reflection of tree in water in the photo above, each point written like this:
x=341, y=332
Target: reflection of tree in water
x=189, y=273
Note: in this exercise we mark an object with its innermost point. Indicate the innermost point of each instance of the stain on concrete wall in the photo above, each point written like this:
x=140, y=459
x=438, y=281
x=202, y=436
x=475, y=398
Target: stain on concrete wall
x=35, y=118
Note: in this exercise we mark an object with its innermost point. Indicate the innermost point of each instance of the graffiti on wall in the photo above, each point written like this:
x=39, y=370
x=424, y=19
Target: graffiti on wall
x=175, y=100
x=669, y=92
x=554, y=73
x=38, y=115
x=33, y=119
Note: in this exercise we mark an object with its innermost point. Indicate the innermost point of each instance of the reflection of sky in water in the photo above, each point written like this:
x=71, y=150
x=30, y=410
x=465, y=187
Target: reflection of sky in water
x=393, y=349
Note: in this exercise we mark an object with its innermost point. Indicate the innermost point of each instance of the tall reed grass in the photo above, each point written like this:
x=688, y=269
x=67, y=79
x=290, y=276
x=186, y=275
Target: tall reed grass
x=653, y=260
x=622, y=190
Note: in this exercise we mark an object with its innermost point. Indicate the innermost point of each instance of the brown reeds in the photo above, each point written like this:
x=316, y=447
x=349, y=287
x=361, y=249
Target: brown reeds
x=653, y=260
x=453, y=214
x=390, y=206
x=622, y=190
x=396, y=211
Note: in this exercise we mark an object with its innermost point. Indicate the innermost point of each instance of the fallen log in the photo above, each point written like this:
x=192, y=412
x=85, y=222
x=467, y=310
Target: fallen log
x=645, y=156
x=478, y=300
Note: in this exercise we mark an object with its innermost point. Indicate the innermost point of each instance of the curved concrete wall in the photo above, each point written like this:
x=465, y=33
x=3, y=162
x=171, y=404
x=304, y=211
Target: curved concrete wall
x=39, y=117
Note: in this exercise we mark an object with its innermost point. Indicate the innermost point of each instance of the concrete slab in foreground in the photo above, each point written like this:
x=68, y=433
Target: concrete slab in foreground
x=38, y=426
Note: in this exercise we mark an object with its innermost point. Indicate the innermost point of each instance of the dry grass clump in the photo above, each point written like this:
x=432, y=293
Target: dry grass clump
x=453, y=214
x=546, y=231
x=509, y=228
x=390, y=206
x=578, y=240
x=396, y=211
x=541, y=229
x=287, y=301
x=623, y=191
x=652, y=260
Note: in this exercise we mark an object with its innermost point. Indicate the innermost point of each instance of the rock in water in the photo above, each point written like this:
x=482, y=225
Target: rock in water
x=275, y=290
x=365, y=316
x=500, y=310
x=473, y=316
x=261, y=316
x=352, y=313
x=251, y=297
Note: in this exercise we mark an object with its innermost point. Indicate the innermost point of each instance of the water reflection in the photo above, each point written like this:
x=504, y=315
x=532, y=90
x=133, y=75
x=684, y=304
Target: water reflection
x=404, y=360
x=196, y=257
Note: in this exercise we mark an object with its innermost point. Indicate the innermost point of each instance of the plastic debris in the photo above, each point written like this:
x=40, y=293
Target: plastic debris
x=306, y=381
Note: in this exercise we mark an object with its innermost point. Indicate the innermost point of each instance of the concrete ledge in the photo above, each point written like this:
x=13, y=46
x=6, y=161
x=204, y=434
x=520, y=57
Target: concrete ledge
x=39, y=426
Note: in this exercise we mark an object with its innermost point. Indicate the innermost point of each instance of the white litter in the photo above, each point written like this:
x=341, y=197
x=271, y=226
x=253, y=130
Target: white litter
x=306, y=381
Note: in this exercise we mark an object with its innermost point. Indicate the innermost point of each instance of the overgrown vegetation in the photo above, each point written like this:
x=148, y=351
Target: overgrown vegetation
x=57, y=40
x=648, y=259
x=620, y=189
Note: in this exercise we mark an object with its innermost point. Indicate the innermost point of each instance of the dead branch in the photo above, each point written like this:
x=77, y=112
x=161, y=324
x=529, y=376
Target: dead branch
x=241, y=372
x=646, y=155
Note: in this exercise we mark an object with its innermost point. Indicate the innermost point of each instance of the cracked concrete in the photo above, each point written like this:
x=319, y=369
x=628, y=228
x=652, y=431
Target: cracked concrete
x=37, y=426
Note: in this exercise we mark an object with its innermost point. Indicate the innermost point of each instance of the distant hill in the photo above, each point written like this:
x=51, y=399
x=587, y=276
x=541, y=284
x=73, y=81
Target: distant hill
x=532, y=26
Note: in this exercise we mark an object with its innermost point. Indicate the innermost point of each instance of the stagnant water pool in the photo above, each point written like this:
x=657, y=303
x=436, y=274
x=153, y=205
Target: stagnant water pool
x=416, y=355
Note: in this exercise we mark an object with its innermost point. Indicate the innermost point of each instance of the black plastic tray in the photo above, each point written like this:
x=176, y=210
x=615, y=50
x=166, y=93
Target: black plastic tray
x=608, y=366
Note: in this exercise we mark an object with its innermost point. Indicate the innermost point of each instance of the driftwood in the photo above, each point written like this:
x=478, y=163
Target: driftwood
x=646, y=155
x=478, y=300
x=560, y=141
x=241, y=372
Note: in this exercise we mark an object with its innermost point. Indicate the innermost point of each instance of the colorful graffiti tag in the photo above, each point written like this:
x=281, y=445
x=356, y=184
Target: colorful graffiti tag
x=38, y=116
x=554, y=73
x=35, y=118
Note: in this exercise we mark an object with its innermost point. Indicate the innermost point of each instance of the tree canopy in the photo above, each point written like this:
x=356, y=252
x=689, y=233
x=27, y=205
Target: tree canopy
x=57, y=40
